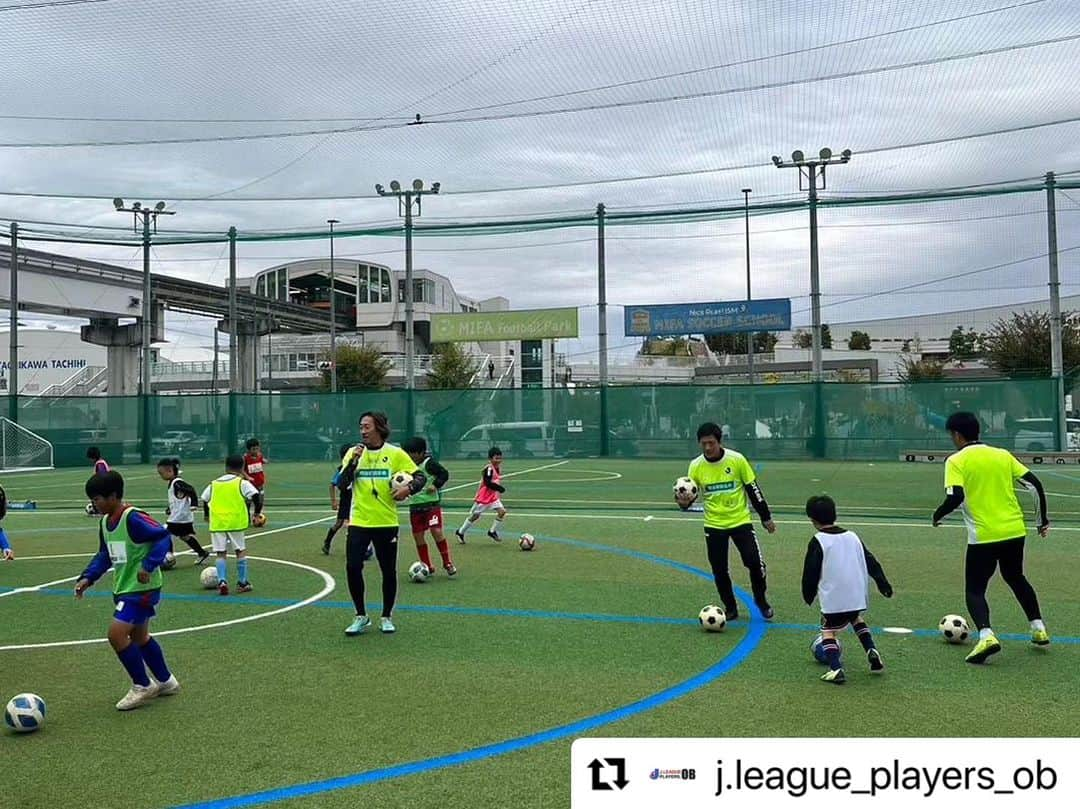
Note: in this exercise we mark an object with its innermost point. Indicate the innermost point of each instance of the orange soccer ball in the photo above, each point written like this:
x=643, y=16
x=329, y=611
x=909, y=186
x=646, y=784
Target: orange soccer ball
x=259, y=520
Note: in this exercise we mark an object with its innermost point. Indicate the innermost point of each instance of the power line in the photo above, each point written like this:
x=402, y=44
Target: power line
x=50, y=4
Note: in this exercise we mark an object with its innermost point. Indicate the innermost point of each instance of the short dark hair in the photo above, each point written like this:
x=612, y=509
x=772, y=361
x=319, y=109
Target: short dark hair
x=710, y=428
x=234, y=463
x=964, y=423
x=493, y=452
x=415, y=444
x=821, y=509
x=251, y=443
x=381, y=422
x=344, y=449
x=93, y=453
x=111, y=483
x=172, y=463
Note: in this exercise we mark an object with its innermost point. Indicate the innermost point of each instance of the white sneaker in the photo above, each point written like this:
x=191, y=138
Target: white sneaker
x=169, y=687
x=386, y=625
x=137, y=696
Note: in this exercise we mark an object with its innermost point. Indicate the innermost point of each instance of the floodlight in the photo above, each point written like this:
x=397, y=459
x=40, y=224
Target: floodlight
x=135, y=206
x=379, y=189
x=118, y=204
x=747, y=190
x=777, y=161
x=845, y=155
x=797, y=156
x=395, y=186
x=159, y=207
x=418, y=185
x=825, y=153
x=435, y=188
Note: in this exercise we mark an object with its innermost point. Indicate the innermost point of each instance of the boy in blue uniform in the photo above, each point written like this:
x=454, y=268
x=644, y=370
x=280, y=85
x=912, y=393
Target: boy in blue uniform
x=135, y=546
x=5, y=547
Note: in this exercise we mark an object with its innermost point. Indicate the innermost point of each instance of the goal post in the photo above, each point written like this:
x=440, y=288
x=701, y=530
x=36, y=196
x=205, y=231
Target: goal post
x=22, y=450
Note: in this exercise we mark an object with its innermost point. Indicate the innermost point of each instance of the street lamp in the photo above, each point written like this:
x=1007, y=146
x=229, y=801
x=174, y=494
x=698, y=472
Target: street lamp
x=811, y=179
x=406, y=199
x=749, y=335
x=333, y=313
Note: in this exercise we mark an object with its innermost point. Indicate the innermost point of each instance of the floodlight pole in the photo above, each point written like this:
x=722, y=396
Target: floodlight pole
x=333, y=314
x=749, y=335
x=13, y=331
x=1057, y=360
x=601, y=328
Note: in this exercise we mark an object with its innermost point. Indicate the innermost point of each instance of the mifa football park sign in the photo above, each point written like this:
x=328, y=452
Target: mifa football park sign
x=528, y=324
x=772, y=314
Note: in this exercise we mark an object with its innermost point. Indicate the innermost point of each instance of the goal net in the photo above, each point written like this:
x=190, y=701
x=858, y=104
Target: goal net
x=22, y=450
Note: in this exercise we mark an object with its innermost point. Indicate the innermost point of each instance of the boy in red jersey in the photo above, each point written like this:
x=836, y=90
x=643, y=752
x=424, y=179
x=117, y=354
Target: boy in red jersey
x=487, y=498
x=254, y=469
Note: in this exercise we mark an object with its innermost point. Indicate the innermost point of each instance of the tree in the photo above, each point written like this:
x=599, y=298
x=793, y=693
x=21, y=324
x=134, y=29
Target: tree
x=359, y=368
x=735, y=342
x=964, y=345
x=451, y=367
x=826, y=336
x=1020, y=345
x=666, y=347
x=920, y=370
x=805, y=339
x=859, y=341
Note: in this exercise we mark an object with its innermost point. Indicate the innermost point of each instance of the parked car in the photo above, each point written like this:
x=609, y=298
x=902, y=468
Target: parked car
x=518, y=438
x=1037, y=435
x=178, y=442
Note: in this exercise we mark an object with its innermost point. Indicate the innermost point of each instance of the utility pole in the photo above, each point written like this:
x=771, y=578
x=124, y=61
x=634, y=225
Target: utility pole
x=333, y=313
x=13, y=331
x=749, y=335
x=406, y=199
x=1057, y=359
x=601, y=327
x=812, y=179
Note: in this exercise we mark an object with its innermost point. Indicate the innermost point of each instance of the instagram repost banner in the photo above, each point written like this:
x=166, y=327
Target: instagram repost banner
x=839, y=773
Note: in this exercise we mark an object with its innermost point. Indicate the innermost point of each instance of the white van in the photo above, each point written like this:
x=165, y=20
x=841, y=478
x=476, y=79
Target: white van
x=1037, y=435
x=521, y=438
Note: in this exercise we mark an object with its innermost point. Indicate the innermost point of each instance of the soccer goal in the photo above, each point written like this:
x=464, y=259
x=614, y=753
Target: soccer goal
x=22, y=450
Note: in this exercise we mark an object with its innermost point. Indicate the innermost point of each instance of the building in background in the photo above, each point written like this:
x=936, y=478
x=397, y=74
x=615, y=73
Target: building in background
x=55, y=362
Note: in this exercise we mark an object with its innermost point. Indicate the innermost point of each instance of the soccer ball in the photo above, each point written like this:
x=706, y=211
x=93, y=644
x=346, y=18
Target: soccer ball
x=90, y=510
x=954, y=628
x=712, y=618
x=400, y=480
x=527, y=542
x=685, y=488
x=817, y=651
x=170, y=561
x=418, y=572
x=25, y=713
x=208, y=578
x=259, y=520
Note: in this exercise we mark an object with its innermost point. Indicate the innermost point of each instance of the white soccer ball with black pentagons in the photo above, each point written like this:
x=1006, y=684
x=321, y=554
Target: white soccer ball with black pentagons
x=712, y=618
x=208, y=578
x=90, y=510
x=954, y=628
x=685, y=489
x=25, y=713
x=527, y=542
x=401, y=480
x=817, y=648
x=170, y=561
x=419, y=572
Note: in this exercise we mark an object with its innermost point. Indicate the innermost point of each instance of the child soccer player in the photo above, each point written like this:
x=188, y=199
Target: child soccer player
x=182, y=496
x=93, y=454
x=425, y=509
x=6, y=553
x=340, y=501
x=837, y=570
x=135, y=546
x=487, y=498
x=254, y=464
x=226, y=503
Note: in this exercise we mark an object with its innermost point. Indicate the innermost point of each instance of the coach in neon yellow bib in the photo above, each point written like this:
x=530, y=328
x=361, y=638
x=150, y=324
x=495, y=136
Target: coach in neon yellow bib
x=981, y=479
x=374, y=519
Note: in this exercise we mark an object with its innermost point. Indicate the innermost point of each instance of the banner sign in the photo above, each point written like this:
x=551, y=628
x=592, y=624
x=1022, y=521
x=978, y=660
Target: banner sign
x=708, y=318
x=527, y=324
x=1026, y=458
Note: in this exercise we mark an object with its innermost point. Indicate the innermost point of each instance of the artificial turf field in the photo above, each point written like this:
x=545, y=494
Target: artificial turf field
x=600, y=617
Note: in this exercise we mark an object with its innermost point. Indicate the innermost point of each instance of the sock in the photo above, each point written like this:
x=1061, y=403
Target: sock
x=465, y=526
x=863, y=633
x=831, y=649
x=425, y=555
x=497, y=526
x=444, y=552
x=133, y=662
x=155, y=660
x=986, y=633
x=193, y=543
x=1038, y=626
x=329, y=536
x=222, y=572
x=241, y=570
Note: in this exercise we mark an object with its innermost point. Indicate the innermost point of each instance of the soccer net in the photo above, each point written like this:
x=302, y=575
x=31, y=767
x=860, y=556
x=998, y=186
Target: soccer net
x=22, y=450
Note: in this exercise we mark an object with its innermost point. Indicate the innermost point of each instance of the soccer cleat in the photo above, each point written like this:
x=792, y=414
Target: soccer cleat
x=244, y=587
x=223, y=588
x=460, y=536
x=766, y=612
x=834, y=676
x=357, y=627
x=137, y=696
x=984, y=649
x=326, y=548
x=450, y=569
x=494, y=536
x=202, y=560
x=386, y=626
x=732, y=614
x=169, y=687
x=1040, y=637
x=877, y=665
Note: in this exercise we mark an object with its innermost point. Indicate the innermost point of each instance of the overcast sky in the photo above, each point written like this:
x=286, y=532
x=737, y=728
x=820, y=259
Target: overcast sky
x=763, y=77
